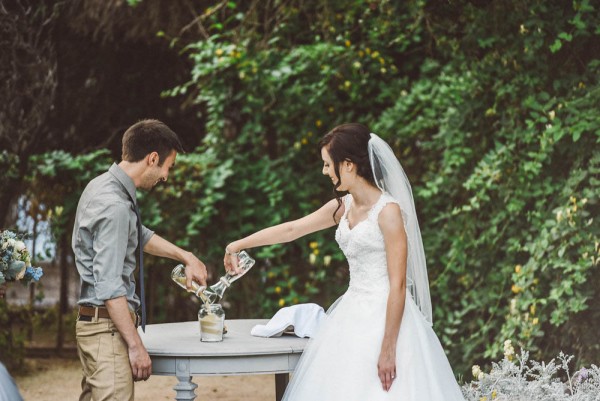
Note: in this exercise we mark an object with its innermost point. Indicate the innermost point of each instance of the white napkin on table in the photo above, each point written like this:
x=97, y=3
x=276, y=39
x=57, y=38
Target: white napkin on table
x=302, y=319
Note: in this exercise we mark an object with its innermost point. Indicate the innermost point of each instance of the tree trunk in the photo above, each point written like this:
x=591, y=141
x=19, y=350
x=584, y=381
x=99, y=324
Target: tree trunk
x=64, y=285
x=7, y=201
x=32, y=284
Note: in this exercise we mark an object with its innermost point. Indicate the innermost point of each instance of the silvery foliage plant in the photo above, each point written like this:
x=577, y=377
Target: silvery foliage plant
x=517, y=378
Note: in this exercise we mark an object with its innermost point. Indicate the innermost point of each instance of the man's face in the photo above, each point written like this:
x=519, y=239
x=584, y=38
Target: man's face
x=155, y=173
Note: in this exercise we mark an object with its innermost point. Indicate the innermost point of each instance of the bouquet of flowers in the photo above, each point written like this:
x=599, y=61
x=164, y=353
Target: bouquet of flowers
x=15, y=261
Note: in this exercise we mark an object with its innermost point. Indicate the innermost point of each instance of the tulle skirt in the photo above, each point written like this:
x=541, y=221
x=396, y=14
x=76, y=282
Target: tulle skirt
x=340, y=361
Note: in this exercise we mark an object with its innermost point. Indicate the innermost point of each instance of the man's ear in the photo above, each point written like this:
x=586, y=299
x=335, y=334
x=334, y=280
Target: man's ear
x=152, y=159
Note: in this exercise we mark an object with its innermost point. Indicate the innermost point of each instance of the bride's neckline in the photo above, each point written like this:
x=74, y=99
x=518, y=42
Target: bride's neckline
x=352, y=227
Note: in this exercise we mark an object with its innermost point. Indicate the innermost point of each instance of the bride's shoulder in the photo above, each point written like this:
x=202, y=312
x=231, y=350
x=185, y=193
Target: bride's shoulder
x=390, y=218
x=388, y=208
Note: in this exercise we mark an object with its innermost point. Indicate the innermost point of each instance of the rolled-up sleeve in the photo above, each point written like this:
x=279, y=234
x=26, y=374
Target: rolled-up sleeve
x=146, y=235
x=110, y=239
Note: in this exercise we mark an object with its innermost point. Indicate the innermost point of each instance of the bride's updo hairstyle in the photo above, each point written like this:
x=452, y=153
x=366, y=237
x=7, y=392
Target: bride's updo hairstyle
x=349, y=142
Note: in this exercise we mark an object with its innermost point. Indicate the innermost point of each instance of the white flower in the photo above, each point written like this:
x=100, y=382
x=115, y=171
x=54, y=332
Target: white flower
x=19, y=246
x=327, y=260
x=5, y=245
x=312, y=258
x=476, y=370
x=513, y=306
x=509, y=351
x=11, y=242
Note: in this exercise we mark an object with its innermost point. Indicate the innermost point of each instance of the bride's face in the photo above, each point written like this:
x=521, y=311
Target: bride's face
x=329, y=170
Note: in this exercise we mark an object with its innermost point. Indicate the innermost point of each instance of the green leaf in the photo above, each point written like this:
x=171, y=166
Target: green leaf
x=556, y=46
x=565, y=36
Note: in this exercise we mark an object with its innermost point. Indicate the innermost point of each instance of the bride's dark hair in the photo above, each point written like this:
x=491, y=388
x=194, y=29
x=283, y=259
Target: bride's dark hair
x=348, y=142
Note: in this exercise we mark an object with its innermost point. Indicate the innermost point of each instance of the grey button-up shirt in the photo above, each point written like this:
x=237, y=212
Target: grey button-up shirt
x=105, y=239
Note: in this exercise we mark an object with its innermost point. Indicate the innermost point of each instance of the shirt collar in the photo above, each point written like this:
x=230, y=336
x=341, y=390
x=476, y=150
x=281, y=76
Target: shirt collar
x=124, y=179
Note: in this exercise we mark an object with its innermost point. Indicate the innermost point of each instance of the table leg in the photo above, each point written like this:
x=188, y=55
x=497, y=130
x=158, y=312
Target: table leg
x=281, y=382
x=185, y=388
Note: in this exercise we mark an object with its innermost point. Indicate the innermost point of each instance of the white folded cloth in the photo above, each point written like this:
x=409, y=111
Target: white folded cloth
x=302, y=320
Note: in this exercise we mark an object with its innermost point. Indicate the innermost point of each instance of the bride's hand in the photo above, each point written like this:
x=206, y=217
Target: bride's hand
x=386, y=367
x=230, y=260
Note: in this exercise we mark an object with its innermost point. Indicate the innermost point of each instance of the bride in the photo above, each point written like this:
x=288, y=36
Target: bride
x=377, y=342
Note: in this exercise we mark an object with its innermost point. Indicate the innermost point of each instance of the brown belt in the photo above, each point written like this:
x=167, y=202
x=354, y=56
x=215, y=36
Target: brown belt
x=90, y=312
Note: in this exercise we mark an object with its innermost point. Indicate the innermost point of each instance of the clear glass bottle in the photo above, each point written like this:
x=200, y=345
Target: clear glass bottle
x=211, y=294
x=212, y=320
x=178, y=276
x=245, y=262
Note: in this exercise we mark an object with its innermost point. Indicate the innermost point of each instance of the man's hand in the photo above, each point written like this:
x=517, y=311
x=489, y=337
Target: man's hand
x=141, y=365
x=139, y=360
x=194, y=270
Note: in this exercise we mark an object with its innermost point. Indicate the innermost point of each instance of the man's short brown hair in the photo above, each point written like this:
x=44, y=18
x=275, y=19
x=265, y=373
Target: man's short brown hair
x=149, y=136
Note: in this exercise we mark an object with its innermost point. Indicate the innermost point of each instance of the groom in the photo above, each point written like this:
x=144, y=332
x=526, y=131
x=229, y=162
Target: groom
x=106, y=234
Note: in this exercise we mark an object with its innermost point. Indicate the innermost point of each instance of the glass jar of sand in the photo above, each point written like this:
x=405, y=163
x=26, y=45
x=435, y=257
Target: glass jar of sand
x=212, y=319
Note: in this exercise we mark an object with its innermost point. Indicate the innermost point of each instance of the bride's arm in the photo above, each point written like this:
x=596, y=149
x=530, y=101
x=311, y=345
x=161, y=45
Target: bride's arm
x=392, y=227
x=289, y=231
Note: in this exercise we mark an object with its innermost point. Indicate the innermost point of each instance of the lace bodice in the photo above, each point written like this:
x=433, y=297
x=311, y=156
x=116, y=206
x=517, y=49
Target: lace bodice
x=364, y=248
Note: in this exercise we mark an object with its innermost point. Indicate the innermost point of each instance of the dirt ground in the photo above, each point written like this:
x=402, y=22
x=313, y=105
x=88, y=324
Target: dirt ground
x=57, y=379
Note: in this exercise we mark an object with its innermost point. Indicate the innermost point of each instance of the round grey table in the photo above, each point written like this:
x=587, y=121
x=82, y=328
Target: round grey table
x=176, y=350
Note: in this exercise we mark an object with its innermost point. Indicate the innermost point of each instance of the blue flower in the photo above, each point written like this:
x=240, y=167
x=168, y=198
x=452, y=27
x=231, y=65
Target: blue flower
x=38, y=273
x=33, y=273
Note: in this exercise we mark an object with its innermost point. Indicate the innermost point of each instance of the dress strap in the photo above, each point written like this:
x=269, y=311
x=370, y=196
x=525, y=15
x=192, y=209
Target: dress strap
x=384, y=199
x=347, y=199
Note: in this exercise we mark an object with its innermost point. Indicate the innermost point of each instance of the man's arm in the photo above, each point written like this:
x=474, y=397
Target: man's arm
x=140, y=362
x=194, y=268
x=111, y=235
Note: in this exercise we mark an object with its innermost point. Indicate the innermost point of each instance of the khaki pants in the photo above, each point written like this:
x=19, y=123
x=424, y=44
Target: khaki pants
x=105, y=361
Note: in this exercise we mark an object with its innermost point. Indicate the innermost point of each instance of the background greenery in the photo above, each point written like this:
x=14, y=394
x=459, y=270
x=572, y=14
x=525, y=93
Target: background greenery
x=492, y=107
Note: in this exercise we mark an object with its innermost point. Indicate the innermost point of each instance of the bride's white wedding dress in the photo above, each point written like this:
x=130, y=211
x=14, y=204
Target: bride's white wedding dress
x=340, y=362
